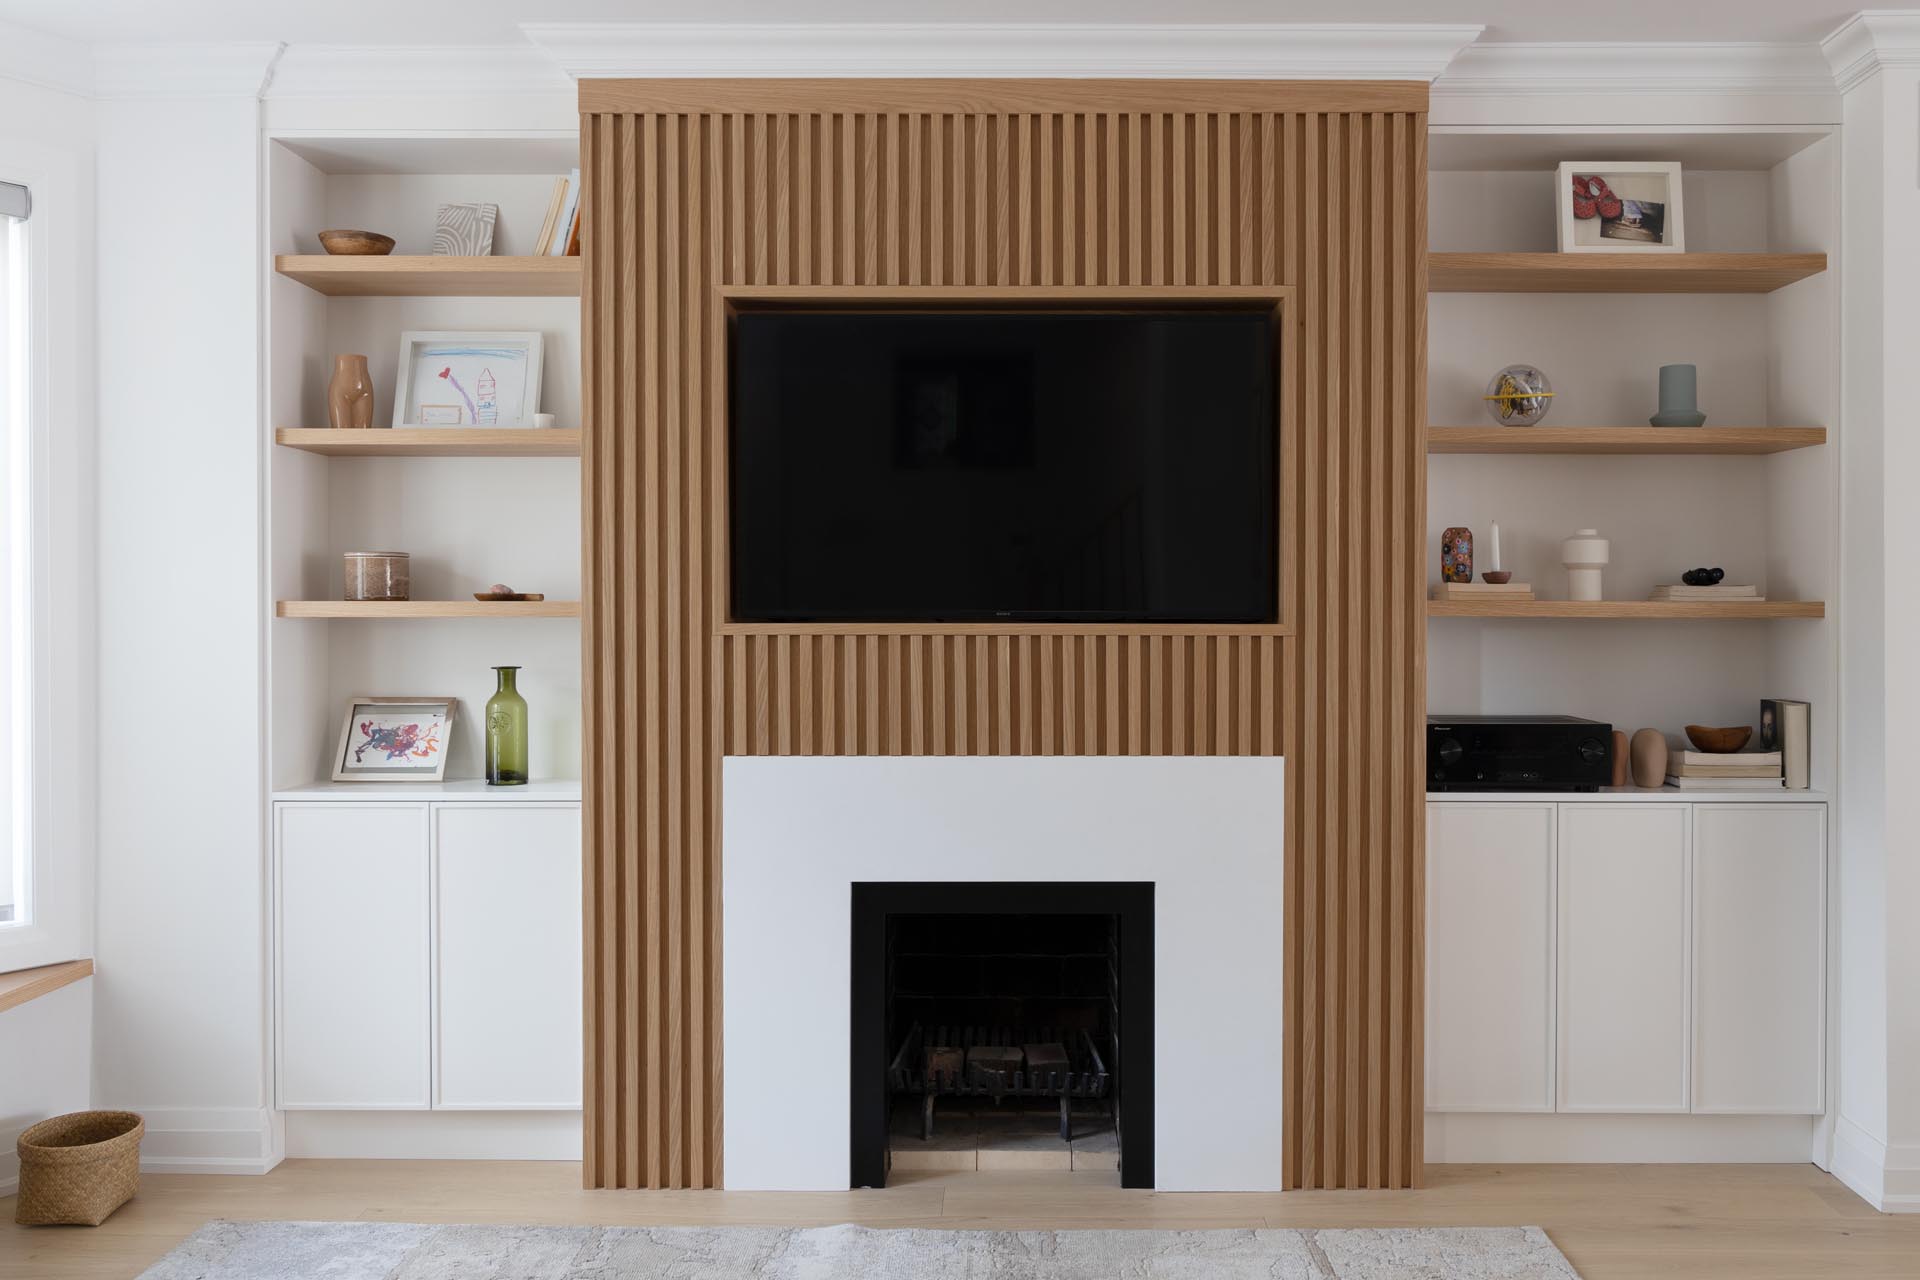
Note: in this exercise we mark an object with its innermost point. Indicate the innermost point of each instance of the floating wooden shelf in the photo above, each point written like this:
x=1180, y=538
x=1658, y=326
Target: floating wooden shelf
x=419, y=275
x=434, y=442
x=22, y=985
x=1667, y=440
x=428, y=609
x=1618, y=272
x=1625, y=609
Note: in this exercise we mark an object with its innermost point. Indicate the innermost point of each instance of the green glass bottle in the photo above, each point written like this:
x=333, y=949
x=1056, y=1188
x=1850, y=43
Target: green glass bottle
x=506, y=733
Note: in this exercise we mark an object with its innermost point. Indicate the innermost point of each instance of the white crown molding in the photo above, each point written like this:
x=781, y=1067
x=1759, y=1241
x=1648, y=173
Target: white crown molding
x=1584, y=69
x=184, y=70
x=1870, y=40
x=1237, y=51
x=32, y=57
x=351, y=71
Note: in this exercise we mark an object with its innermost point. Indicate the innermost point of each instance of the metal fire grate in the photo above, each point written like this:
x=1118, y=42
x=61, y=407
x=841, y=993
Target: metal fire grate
x=1087, y=1078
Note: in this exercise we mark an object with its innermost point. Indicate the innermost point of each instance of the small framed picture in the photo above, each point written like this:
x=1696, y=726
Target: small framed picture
x=467, y=380
x=1620, y=206
x=394, y=740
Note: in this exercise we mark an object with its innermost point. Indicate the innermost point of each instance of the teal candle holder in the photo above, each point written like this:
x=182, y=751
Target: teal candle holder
x=1679, y=397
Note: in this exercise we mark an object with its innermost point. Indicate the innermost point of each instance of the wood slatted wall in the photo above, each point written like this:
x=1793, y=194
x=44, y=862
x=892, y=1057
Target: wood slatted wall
x=693, y=186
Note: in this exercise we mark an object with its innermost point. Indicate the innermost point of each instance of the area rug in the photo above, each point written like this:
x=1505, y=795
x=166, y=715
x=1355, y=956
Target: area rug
x=408, y=1251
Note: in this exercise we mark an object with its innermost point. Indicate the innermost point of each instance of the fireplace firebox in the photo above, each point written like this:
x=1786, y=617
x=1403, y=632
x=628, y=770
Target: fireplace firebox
x=1011, y=993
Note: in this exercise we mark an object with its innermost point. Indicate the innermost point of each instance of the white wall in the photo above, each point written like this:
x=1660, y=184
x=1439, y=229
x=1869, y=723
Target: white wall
x=44, y=1067
x=180, y=1016
x=1877, y=1136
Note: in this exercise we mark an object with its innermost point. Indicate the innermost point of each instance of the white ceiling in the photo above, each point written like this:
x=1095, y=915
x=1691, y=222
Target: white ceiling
x=367, y=22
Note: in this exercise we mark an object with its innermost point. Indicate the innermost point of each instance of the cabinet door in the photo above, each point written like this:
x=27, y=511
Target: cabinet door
x=1490, y=957
x=1759, y=957
x=508, y=960
x=350, y=889
x=1623, y=957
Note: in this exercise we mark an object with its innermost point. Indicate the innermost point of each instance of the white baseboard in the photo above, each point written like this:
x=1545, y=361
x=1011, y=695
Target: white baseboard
x=433, y=1135
x=1473, y=1138
x=1886, y=1177
x=209, y=1139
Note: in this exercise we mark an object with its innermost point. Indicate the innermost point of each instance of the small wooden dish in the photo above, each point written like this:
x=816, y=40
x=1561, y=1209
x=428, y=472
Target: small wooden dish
x=1498, y=577
x=1719, y=741
x=365, y=244
x=509, y=595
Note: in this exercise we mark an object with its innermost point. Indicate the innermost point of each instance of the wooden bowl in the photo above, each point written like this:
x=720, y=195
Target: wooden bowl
x=1498, y=577
x=360, y=243
x=509, y=595
x=1722, y=741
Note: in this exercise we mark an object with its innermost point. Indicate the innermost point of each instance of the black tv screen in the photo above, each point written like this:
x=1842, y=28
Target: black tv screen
x=1033, y=465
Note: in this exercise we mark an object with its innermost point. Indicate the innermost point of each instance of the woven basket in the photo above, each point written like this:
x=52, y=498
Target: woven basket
x=78, y=1168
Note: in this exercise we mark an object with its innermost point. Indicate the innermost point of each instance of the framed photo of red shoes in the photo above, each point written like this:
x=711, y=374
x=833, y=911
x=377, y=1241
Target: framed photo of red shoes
x=1620, y=206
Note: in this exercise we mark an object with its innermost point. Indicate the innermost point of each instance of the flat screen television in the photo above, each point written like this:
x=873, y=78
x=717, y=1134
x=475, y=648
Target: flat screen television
x=1037, y=465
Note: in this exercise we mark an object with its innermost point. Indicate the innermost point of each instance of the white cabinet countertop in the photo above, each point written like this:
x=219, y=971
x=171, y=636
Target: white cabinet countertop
x=463, y=791
x=1671, y=795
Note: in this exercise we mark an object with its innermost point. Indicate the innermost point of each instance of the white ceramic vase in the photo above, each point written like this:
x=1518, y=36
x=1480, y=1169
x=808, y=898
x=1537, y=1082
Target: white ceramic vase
x=1585, y=555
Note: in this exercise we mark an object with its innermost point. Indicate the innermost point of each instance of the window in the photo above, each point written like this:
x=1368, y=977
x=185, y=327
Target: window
x=16, y=703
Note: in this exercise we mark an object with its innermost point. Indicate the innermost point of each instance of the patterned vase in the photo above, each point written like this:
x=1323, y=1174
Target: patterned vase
x=1456, y=555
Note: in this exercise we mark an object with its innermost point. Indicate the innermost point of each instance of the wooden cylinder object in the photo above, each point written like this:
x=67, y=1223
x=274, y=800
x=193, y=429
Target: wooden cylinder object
x=1649, y=758
x=1622, y=764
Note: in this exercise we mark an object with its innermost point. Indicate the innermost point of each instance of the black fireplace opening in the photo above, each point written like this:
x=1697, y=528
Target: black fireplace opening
x=1035, y=997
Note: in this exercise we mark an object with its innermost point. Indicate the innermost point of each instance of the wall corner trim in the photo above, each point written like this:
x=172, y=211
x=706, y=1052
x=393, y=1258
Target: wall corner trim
x=1861, y=46
x=236, y=70
x=353, y=71
x=979, y=50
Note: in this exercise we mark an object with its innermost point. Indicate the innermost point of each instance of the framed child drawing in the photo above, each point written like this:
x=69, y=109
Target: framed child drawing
x=394, y=740
x=448, y=379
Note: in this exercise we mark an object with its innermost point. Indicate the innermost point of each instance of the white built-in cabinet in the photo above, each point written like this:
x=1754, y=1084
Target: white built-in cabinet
x=1490, y=996
x=427, y=955
x=1631, y=957
x=1622, y=957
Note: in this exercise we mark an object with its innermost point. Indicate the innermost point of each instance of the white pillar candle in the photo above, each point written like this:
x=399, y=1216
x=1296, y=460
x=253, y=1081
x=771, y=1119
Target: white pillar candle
x=1495, y=548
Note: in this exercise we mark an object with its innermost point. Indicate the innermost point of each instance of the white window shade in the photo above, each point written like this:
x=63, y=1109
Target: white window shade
x=15, y=200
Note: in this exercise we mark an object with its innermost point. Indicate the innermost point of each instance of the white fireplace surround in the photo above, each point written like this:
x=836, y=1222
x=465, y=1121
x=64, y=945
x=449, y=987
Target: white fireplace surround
x=797, y=832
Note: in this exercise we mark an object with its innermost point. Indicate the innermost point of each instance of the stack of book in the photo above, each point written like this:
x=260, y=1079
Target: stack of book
x=1483, y=591
x=560, y=233
x=1724, y=771
x=1681, y=591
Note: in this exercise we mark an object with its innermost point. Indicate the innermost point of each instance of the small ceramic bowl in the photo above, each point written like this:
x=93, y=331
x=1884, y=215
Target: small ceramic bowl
x=360, y=243
x=1722, y=741
x=1498, y=577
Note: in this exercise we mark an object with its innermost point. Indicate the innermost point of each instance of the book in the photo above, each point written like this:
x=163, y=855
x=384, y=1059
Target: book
x=556, y=246
x=1711, y=771
x=554, y=202
x=1681, y=755
x=1723, y=784
x=1786, y=726
x=1705, y=593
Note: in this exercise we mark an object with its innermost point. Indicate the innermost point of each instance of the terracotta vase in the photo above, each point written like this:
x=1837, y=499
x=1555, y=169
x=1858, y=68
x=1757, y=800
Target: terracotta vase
x=1622, y=761
x=350, y=394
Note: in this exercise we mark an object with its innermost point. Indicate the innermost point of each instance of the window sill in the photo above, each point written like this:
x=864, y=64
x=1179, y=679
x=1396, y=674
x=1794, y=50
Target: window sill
x=29, y=984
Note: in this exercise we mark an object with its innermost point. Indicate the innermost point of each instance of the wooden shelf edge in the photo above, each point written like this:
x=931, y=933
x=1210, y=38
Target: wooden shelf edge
x=1687, y=609
x=22, y=985
x=399, y=609
x=1619, y=272
x=430, y=275
x=433, y=442
x=1001, y=629
x=1623, y=440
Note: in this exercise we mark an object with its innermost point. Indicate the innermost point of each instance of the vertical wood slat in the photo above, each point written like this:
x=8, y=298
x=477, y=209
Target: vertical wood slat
x=681, y=203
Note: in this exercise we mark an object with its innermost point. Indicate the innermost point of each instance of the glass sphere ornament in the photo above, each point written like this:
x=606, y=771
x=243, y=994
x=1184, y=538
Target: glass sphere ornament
x=1518, y=396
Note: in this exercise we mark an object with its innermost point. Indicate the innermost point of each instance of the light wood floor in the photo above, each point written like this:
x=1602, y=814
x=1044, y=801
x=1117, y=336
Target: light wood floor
x=1756, y=1222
